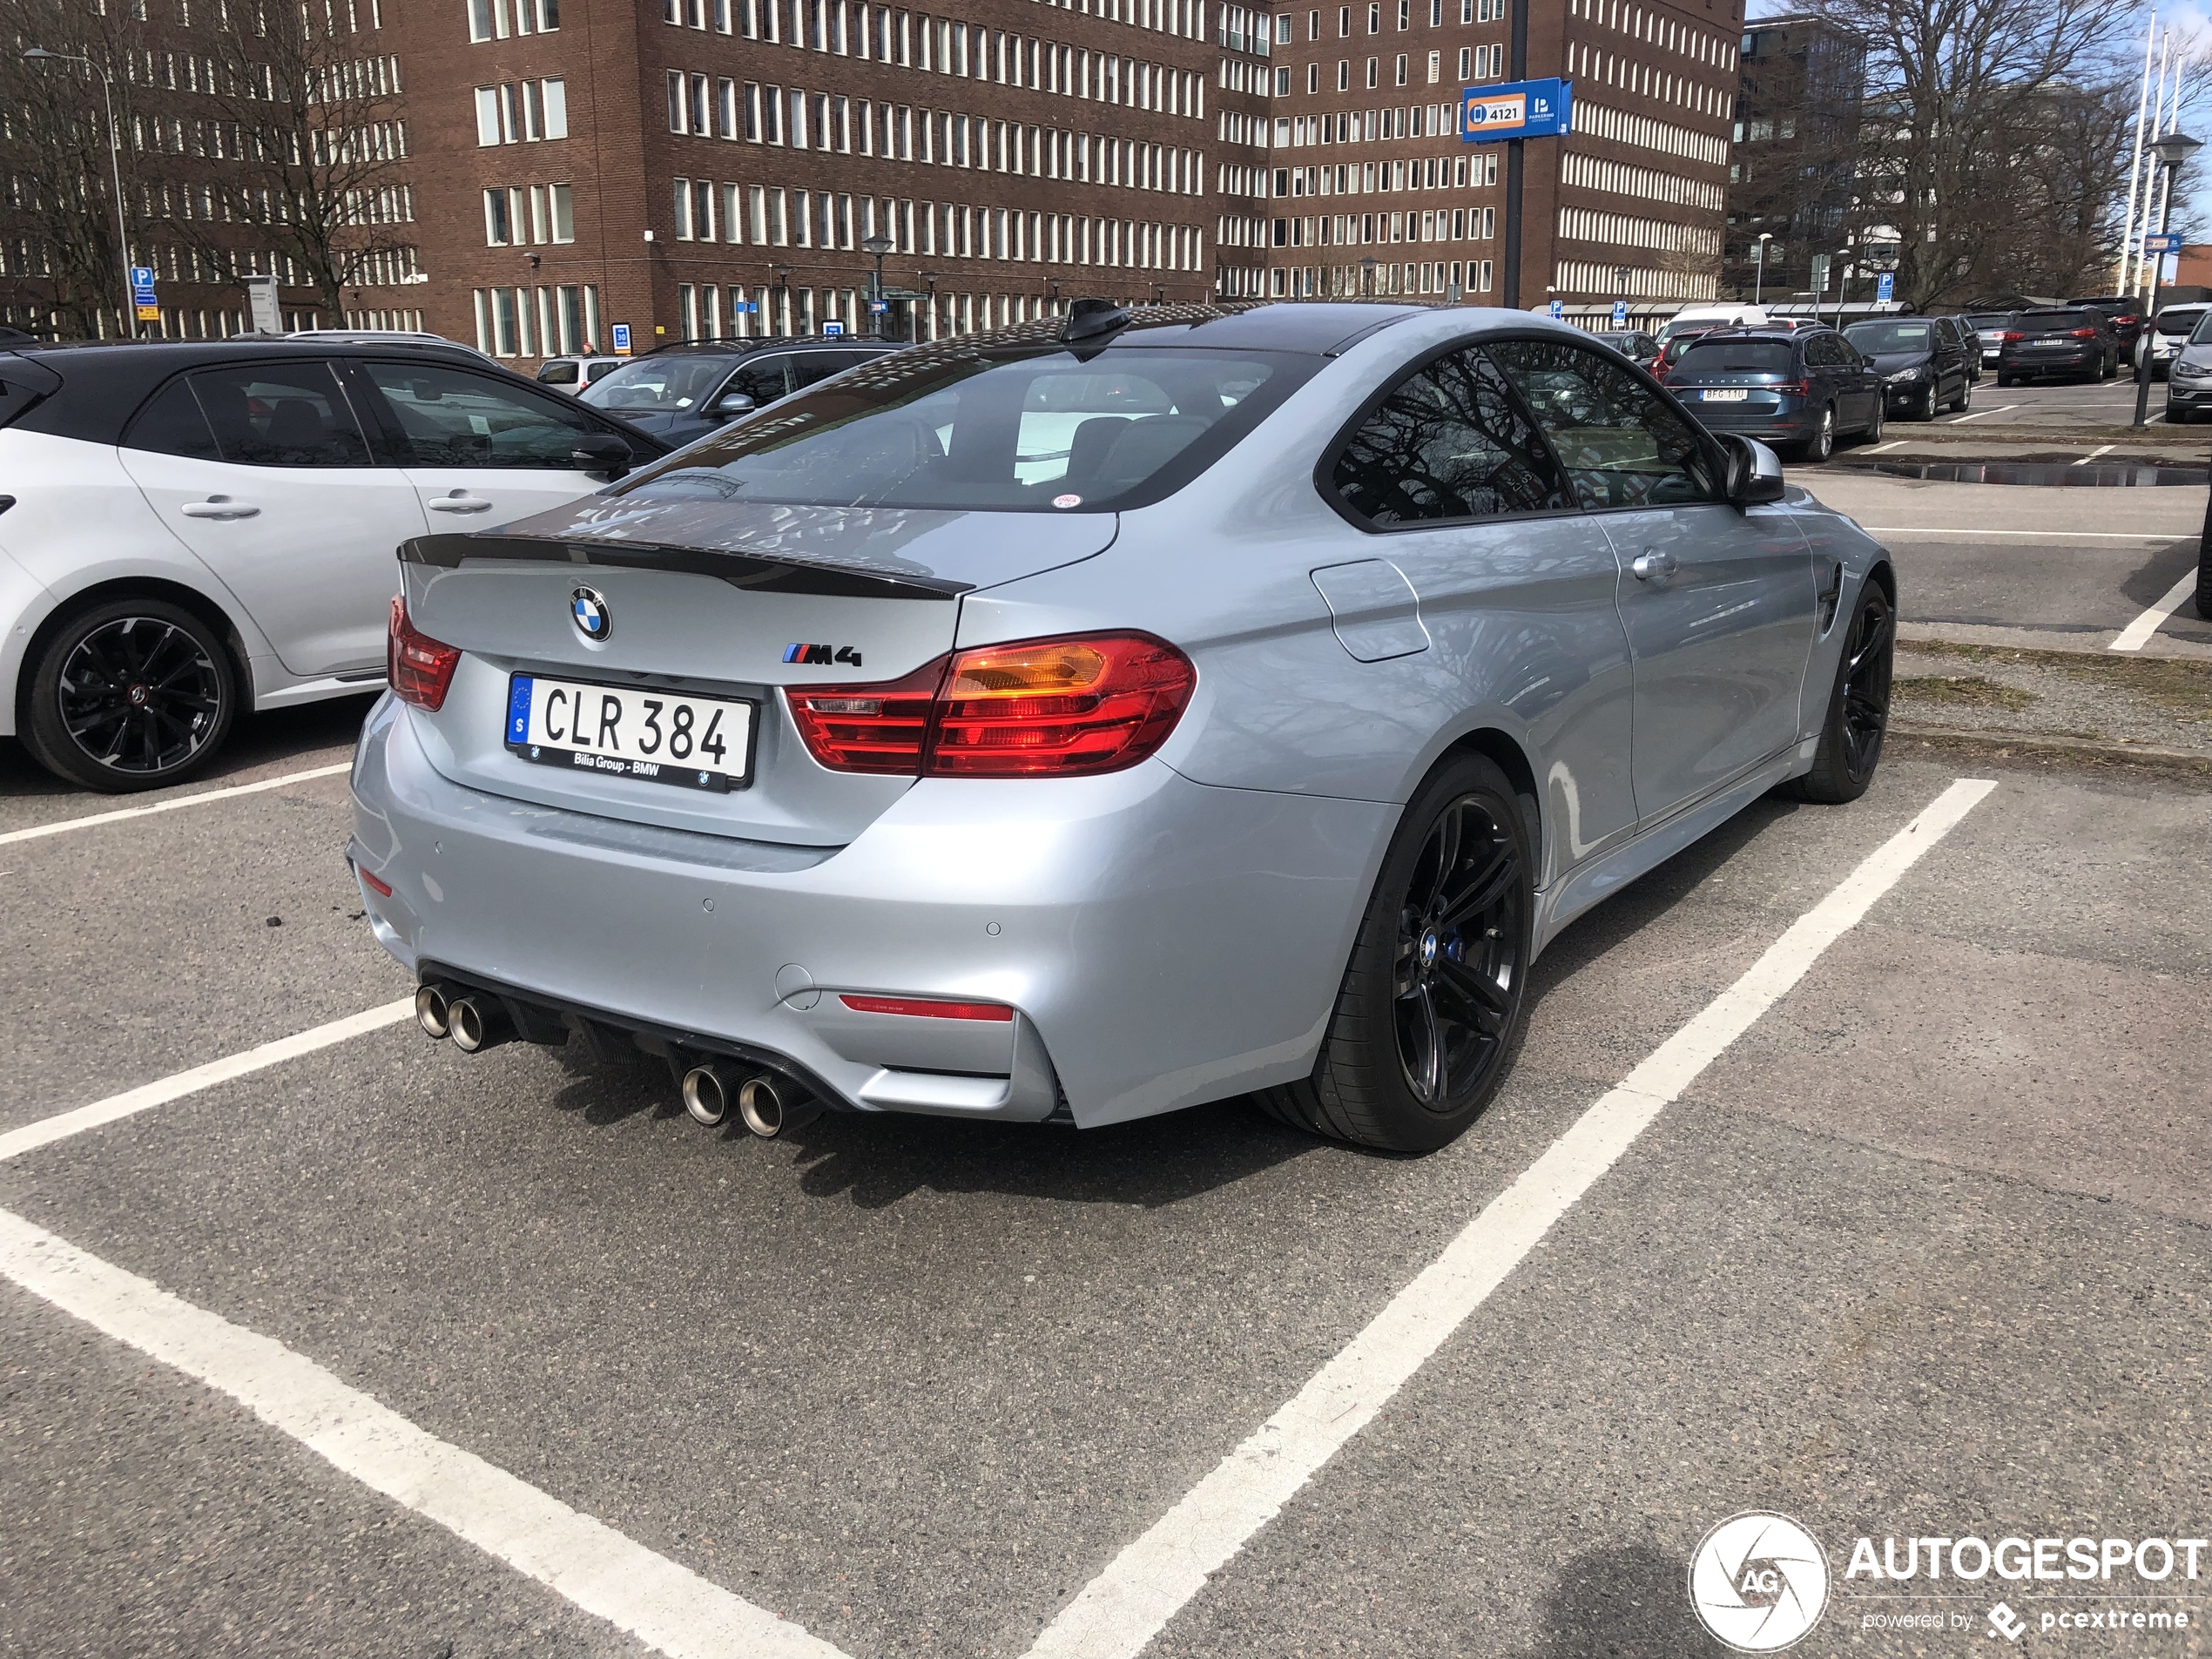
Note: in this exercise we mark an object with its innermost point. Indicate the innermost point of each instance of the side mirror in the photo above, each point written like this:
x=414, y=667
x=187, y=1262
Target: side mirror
x=606, y=452
x=735, y=404
x=1754, y=473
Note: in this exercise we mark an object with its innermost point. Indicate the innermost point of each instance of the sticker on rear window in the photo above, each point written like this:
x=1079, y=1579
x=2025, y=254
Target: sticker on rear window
x=1067, y=501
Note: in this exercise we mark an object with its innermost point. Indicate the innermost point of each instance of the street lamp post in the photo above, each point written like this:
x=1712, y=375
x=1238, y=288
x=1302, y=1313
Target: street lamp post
x=878, y=245
x=129, y=313
x=2172, y=150
x=1758, y=267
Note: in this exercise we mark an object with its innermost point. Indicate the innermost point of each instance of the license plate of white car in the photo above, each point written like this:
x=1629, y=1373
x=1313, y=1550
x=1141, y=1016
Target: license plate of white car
x=632, y=731
x=1732, y=394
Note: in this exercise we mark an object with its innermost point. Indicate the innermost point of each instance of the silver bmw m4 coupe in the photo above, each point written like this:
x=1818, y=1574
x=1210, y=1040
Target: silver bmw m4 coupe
x=1106, y=715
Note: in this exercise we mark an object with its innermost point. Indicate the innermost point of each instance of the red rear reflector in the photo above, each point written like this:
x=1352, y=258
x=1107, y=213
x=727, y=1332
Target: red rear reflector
x=1076, y=706
x=420, y=668
x=922, y=1009
x=375, y=884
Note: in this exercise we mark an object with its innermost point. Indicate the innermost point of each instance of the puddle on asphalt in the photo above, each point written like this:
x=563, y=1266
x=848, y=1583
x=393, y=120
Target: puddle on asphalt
x=2083, y=475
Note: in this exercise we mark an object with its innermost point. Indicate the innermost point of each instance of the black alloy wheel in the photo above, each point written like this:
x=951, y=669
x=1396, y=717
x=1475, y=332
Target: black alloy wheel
x=1457, y=969
x=136, y=694
x=1430, y=1010
x=1858, y=708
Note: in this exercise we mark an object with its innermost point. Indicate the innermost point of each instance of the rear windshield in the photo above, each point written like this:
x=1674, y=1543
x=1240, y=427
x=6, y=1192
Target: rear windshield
x=2055, y=322
x=968, y=426
x=1736, y=356
x=657, y=385
x=2178, y=322
x=1872, y=337
x=1990, y=320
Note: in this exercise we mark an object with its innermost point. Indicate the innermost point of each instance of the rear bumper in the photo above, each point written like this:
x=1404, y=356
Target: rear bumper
x=2074, y=363
x=1780, y=426
x=1161, y=942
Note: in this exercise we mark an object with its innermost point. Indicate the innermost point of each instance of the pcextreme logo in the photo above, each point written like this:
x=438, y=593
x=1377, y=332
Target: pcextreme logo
x=1758, y=1581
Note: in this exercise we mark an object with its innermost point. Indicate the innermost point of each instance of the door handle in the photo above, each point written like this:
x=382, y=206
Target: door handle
x=460, y=502
x=218, y=507
x=1654, y=567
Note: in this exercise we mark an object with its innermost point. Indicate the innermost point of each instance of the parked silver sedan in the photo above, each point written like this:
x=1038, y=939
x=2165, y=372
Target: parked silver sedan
x=1090, y=719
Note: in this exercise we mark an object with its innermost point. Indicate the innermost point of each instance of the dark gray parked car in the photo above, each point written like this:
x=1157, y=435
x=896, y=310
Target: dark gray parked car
x=1924, y=362
x=680, y=393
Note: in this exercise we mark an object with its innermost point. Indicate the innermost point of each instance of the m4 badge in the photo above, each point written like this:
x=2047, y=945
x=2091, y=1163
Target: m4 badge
x=821, y=656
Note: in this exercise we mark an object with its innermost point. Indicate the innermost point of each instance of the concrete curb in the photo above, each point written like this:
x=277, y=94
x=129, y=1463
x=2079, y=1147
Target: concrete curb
x=2197, y=439
x=2162, y=647
x=2173, y=762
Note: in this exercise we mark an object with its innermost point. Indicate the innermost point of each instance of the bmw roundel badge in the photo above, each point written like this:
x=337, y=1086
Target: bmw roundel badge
x=593, y=620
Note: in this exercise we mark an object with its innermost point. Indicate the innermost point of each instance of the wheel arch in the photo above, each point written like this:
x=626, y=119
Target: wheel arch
x=133, y=587
x=1503, y=750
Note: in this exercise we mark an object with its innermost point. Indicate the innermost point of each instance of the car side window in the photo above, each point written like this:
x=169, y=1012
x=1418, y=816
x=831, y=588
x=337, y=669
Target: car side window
x=763, y=382
x=254, y=414
x=812, y=366
x=1447, y=442
x=1820, y=351
x=453, y=417
x=558, y=374
x=1621, y=443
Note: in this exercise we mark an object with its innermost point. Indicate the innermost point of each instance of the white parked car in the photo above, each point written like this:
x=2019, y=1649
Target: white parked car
x=192, y=529
x=572, y=374
x=2168, y=332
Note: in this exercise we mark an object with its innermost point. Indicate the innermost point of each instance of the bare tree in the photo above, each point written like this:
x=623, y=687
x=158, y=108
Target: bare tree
x=317, y=136
x=58, y=210
x=1956, y=88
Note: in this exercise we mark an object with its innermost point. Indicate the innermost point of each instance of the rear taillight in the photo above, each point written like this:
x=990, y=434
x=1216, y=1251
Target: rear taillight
x=2122, y=322
x=1087, y=704
x=2011, y=337
x=1791, y=388
x=420, y=668
x=928, y=1008
x=2085, y=333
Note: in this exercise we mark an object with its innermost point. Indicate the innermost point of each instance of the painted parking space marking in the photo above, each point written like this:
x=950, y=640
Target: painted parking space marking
x=2137, y=633
x=1894, y=443
x=583, y=1560
x=162, y=1090
x=1977, y=414
x=2101, y=450
x=1118, y=1612
x=171, y=805
x=2039, y=536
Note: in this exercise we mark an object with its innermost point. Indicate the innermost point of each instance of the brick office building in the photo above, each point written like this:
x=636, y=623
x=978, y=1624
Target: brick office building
x=710, y=167
x=1366, y=150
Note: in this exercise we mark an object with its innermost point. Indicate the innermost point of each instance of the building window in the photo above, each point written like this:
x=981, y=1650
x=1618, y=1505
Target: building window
x=487, y=115
x=1466, y=62
x=1401, y=79
x=1313, y=78
x=678, y=106
x=498, y=231
x=683, y=210
x=1282, y=81
x=1435, y=68
x=562, y=200
x=480, y=21
x=1374, y=73
x=1344, y=74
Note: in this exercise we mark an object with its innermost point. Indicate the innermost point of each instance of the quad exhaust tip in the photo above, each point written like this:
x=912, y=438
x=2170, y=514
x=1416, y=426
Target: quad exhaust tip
x=706, y=1095
x=478, y=1023
x=431, y=1012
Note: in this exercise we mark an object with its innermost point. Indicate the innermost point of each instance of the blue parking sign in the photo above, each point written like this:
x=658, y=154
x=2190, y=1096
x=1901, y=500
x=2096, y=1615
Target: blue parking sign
x=1558, y=311
x=1620, y=314
x=1886, y=286
x=142, y=284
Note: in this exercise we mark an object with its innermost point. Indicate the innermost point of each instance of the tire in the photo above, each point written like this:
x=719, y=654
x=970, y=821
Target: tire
x=2004, y=382
x=133, y=694
x=1858, y=707
x=1965, y=398
x=1927, y=402
x=1872, y=434
x=1822, y=444
x=1431, y=1010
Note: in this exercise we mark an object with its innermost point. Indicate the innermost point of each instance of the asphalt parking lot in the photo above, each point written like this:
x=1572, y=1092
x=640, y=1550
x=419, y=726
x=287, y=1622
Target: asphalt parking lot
x=1899, y=1226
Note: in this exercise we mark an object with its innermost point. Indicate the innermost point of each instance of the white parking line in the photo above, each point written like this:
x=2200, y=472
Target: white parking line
x=2104, y=449
x=171, y=805
x=1960, y=419
x=585, y=1560
x=1118, y=1612
x=2137, y=633
x=161, y=1092
x=1891, y=444
x=2040, y=536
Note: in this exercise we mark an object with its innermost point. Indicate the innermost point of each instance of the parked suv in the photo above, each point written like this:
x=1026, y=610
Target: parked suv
x=194, y=529
x=679, y=393
x=2123, y=311
x=1804, y=388
x=1924, y=363
x=2058, y=339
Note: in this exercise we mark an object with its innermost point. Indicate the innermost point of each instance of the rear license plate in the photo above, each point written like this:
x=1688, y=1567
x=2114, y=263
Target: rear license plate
x=1733, y=395
x=632, y=731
